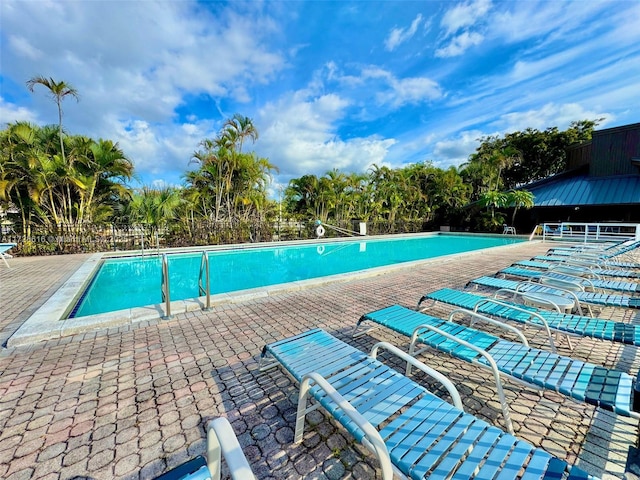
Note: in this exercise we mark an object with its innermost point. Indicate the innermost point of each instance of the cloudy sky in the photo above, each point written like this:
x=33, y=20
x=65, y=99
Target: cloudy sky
x=328, y=84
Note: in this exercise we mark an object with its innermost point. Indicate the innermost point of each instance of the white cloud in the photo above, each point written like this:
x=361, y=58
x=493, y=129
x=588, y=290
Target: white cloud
x=459, y=23
x=398, y=36
x=385, y=88
x=409, y=91
x=530, y=19
x=550, y=114
x=10, y=112
x=625, y=23
x=22, y=47
x=298, y=134
x=459, y=44
x=464, y=15
x=456, y=150
x=163, y=153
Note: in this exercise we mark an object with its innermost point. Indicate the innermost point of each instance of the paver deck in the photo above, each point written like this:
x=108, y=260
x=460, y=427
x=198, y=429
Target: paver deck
x=131, y=402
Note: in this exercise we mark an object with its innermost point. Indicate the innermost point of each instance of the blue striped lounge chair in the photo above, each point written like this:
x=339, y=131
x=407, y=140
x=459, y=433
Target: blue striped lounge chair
x=595, y=249
x=535, y=292
x=608, y=389
x=590, y=271
x=601, y=262
x=413, y=433
x=221, y=443
x=591, y=284
x=549, y=320
x=620, y=250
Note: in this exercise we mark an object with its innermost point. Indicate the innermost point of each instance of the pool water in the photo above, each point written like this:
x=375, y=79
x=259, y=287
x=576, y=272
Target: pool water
x=134, y=282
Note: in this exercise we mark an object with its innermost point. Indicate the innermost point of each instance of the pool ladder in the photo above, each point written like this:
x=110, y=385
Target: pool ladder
x=204, y=283
x=204, y=287
x=166, y=295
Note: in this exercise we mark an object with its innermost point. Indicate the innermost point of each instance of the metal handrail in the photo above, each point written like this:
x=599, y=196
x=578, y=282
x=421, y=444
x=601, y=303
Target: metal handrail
x=206, y=289
x=166, y=295
x=586, y=232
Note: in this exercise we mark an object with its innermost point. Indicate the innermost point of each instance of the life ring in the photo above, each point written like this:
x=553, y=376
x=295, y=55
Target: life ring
x=320, y=249
x=320, y=231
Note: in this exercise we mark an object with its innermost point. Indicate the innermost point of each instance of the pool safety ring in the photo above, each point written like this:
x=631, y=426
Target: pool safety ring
x=320, y=231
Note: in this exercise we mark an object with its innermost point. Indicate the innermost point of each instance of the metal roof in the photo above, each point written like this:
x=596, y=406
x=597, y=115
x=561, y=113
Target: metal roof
x=583, y=190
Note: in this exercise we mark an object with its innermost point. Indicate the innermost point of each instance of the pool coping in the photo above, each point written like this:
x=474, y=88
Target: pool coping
x=40, y=327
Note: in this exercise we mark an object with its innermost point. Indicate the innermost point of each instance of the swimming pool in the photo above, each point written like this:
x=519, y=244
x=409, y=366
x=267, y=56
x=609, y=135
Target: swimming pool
x=123, y=283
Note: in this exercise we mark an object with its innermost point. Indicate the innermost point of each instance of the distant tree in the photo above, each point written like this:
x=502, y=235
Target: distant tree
x=519, y=158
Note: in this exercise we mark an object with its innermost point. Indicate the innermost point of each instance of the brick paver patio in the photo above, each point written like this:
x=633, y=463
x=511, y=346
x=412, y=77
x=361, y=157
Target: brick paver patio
x=130, y=403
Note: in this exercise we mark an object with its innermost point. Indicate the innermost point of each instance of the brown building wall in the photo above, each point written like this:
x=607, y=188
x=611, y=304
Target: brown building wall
x=578, y=156
x=612, y=150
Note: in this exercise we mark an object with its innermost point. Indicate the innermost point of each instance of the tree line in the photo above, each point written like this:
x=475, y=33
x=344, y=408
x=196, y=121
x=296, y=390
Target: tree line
x=55, y=182
x=473, y=196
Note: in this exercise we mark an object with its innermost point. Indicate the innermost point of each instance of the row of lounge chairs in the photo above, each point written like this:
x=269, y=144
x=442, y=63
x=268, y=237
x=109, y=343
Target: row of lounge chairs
x=573, y=279
x=415, y=434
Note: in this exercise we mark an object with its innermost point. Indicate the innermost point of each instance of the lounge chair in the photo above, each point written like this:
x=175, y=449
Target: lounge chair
x=588, y=270
x=550, y=321
x=221, y=442
x=591, y=284
x=4, y=248
x=603, y=248
x=413, y=433
x=602, y=261
x=535, y=293
x=608, y=389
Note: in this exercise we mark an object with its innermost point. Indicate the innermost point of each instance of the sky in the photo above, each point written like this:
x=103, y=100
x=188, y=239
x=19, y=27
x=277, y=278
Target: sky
x=328, y=84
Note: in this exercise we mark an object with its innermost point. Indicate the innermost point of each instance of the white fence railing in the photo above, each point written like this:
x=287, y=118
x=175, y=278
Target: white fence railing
x=587, y=232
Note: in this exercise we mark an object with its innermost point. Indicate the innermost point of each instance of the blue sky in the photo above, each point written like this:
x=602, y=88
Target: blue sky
x=328, y=84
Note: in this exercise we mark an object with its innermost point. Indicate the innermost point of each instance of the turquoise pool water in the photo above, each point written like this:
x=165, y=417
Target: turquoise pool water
x=135, y=282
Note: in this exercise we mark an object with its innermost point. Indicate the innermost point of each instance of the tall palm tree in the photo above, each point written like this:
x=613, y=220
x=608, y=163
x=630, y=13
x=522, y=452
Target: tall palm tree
x=58, y=91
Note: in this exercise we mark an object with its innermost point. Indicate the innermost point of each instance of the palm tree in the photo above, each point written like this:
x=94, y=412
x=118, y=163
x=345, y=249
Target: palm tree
x=18, y=165
x=518, y=199
x=103, y=173
x=155, y=207
x=238, y=128
x=229, y=183
x=493, y=199
x=58, y=91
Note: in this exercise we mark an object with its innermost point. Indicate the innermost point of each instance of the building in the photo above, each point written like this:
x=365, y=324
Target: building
x=601, y=183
